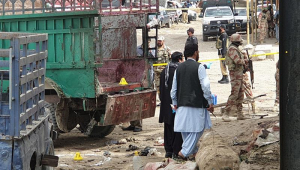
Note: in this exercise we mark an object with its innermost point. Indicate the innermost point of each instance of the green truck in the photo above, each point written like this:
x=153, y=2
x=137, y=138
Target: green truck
x=92, y=45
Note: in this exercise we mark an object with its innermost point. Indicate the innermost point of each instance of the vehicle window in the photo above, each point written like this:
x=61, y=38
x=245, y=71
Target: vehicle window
x=241, y=12
x=218, y=12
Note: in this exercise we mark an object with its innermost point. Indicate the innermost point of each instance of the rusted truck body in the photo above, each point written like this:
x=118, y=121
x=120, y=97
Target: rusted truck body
x=92, y=44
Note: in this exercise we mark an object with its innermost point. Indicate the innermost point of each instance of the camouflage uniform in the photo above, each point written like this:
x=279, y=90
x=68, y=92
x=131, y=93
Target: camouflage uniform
x=277, y=84
x=163, y=56
x=247, y=85
x=263, y=26
x=235, y=61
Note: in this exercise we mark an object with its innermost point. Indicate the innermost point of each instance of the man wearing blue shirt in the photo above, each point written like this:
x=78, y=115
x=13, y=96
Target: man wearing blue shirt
x=191, y=97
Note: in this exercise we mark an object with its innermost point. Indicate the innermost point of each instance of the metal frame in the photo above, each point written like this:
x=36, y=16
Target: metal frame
x=27, y=81
x=50, y=6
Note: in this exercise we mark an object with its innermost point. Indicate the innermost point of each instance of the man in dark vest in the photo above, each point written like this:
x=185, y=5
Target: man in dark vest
x=172, y=140
x=191, y=97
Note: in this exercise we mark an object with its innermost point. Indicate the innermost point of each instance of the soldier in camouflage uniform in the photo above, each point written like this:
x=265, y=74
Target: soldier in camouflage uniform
x=263, y=25
x=163, y=56
x=236, y=62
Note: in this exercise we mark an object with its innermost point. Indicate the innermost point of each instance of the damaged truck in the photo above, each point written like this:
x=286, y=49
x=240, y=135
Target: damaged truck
x=92, y=45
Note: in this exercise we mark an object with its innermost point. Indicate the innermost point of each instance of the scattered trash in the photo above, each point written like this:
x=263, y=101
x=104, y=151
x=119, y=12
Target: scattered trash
x=149, y=151
x=63, y=165
x=122, y=141
x=131, y=139
x=78, y=157
x=91, y=160
x=137, y=162
x=159, y=142
x=147, y=139
x=116, y=142
x=154, y=152
x=236, y=142
x=106, y=159
x=106, y=153
x=132, y=148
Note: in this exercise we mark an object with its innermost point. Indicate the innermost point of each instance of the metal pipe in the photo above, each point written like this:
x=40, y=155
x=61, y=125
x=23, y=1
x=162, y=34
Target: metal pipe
x=289, y=84
x=252, y=22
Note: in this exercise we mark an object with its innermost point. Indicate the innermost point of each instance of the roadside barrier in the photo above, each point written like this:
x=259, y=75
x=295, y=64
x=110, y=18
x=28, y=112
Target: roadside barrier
x=218, y=59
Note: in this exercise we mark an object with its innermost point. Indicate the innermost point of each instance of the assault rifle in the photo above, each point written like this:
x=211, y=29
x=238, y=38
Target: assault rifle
x=250, y=69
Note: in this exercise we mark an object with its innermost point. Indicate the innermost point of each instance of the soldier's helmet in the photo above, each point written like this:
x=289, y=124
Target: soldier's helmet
x=236, y=38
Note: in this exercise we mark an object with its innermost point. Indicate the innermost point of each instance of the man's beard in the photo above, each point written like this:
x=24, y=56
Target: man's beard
x=159, y=45
x=197, y=57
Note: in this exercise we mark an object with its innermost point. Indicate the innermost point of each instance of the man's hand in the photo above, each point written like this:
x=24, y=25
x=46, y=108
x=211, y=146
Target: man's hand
x=175, y=107
x=211, y=108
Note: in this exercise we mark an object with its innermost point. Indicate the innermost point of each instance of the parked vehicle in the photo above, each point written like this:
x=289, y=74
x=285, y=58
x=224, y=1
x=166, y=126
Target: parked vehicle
x=90, y=49
x=215, y=3
x=240, y=15
x=164, y=19
x=214, y=17
x=26, y=132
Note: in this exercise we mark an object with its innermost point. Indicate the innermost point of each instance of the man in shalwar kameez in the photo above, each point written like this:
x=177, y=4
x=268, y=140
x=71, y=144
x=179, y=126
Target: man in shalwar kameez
x=191, y=96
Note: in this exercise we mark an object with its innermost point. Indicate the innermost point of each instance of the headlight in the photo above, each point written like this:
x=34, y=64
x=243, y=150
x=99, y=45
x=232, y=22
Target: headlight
x=206, y=22
x=231, y=21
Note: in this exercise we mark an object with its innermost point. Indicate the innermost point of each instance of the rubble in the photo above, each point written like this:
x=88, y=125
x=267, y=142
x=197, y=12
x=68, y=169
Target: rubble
x=215, y=154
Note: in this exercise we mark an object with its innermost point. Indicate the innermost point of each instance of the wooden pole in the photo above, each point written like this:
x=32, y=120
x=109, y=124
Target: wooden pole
x=252, y=22
x=256, y=19
x=248, y=36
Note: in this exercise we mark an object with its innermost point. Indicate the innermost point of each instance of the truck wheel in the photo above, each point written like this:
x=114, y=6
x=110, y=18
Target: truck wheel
x=71, y=122
x=205, y=38
x=101, y=131
x=52, y=107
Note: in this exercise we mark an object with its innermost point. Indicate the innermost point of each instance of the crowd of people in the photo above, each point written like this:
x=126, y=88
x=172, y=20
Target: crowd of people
x=184, y=91
x=268, y=24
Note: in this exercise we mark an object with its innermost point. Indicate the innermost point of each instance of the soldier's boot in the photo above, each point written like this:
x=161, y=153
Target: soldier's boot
x=225, y=117
x=225, y=80
x=241, y=116
x=253, y=108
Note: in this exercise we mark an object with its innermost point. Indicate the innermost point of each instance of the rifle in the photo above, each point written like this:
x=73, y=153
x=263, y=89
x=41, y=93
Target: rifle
x=250, y=69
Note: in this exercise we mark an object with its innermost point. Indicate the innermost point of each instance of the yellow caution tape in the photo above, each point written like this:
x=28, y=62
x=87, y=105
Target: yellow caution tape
x=218, y=59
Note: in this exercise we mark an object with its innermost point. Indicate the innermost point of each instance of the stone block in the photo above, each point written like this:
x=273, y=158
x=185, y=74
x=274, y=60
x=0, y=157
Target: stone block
x=264, y=49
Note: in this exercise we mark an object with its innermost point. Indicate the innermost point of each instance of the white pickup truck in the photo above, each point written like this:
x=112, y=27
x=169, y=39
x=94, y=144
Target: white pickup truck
x=214, y=17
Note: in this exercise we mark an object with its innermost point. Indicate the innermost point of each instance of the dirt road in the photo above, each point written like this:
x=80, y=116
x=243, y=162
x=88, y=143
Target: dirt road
x=116, y=157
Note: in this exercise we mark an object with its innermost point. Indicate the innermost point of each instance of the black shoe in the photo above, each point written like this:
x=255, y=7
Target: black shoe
x=129, y=128
x=168, y=155
x=221, y=79
x=137, y=129
x=225, y=80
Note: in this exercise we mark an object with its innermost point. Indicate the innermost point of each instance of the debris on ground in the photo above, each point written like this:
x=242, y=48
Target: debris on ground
x=132, y=148
x=171, y=164
x=215, y=154
x=149, y=151
x=106, y=159
x=264, y=149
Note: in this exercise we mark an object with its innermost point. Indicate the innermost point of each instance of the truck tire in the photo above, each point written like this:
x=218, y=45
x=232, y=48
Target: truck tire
x=205, y=38
x=52, y=107
x=101, y=131
x=71, y=122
